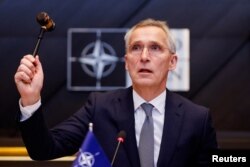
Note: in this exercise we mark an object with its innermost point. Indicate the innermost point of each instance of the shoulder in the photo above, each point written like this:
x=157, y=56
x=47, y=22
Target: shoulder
x=194, y=116
x=189, y=108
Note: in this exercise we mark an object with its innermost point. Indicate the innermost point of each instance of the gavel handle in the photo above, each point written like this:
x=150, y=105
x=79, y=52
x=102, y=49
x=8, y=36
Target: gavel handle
x=40, y=37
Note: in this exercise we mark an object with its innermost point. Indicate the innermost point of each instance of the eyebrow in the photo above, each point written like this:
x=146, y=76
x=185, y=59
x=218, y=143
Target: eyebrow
x=150, y=42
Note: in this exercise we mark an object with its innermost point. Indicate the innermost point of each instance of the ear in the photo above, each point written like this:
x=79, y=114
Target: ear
x=173, y=62
x=126, y=64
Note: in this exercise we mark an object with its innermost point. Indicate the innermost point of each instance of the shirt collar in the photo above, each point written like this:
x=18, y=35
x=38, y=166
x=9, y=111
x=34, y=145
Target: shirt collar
x=158, y=102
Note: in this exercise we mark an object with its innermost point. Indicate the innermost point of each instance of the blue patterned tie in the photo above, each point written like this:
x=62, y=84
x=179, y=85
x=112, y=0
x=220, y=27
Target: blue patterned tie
x=146, y=143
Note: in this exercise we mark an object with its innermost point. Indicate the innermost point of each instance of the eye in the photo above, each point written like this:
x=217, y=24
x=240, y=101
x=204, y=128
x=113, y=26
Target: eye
x=135, y=47
x=155, y=47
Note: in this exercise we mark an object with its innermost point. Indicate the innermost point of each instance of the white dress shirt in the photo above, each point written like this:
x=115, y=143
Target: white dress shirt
x=158, y=115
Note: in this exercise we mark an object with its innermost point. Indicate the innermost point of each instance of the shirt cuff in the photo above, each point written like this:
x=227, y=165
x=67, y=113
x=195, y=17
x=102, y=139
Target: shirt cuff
x=28, y=111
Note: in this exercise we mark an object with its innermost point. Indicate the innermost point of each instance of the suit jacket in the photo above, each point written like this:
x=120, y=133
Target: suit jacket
x=188, y=134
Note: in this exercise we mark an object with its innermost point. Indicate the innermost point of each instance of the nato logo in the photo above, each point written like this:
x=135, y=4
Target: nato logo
x=95, y=59
x=86, y=159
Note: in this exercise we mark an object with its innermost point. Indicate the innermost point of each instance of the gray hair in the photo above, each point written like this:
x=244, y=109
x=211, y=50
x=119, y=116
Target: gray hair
x=151, y=22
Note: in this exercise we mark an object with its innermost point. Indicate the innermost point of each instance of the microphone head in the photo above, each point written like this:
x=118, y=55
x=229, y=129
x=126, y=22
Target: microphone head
x=121, y=136
x=45, y=21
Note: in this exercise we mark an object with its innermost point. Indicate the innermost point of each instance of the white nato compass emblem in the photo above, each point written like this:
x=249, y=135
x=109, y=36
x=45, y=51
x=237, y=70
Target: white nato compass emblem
x=86, y=159
x=98, y=59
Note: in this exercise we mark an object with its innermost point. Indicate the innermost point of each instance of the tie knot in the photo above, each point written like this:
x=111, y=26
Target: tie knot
x=147, y=107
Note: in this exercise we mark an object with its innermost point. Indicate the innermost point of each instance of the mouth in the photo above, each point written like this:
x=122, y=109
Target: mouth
x=144, y=70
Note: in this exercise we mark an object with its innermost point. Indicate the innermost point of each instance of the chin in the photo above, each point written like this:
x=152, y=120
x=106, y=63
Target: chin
x=145, y=83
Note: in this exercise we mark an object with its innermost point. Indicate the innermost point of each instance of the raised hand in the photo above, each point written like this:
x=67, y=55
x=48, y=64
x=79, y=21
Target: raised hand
x=29, y=79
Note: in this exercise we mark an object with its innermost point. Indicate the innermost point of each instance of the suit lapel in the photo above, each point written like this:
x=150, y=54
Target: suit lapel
x=171, y=129
x=124, y=108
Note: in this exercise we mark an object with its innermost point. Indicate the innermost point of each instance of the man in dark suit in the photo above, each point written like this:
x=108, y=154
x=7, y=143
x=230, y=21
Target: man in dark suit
x=182, y=132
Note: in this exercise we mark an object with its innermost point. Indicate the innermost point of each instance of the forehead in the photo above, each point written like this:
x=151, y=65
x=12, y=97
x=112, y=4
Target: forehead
x=148, y=34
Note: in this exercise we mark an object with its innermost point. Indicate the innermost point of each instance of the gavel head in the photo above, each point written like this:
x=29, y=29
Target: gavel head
x=45, y=21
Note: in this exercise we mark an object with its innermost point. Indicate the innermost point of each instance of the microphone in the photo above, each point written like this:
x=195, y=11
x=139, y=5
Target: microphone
x=120, y=138
x=47, y=24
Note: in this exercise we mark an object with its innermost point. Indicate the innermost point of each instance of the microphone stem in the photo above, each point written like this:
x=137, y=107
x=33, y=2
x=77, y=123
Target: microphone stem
x=116, y=150
x=40, y=37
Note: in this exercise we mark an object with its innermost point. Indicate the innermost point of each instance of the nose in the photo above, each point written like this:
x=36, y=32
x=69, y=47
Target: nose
x=145, y=54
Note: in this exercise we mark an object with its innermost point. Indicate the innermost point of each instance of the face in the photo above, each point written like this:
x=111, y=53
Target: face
x=148, y=59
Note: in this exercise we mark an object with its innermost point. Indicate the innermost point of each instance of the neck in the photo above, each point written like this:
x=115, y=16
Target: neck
x=148, y=93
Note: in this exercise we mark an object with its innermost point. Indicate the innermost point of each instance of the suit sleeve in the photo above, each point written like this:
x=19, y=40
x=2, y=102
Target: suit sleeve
x=64, y=139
